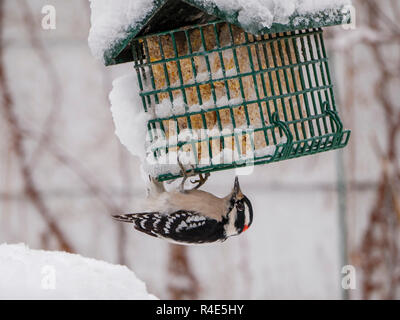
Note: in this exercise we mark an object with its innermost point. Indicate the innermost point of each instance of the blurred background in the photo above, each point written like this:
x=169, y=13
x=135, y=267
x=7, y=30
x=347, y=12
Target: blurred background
x=63, y=171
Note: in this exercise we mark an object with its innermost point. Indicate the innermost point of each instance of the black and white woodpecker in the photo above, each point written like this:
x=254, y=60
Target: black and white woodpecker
x=192, y=216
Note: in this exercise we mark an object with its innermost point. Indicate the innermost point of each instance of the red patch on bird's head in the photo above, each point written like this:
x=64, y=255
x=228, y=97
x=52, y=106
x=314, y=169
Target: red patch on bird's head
x=245, y=227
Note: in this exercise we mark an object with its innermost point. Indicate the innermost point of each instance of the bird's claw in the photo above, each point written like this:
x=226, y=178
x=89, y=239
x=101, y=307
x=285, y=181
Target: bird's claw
x=201, y=181
x=185, y=175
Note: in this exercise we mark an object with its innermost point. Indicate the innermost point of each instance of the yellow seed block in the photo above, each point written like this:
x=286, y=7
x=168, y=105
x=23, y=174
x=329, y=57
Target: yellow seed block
x=242, y=59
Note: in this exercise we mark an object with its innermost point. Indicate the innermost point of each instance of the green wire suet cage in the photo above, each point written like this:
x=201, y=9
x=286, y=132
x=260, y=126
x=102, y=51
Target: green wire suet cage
x=265, y=94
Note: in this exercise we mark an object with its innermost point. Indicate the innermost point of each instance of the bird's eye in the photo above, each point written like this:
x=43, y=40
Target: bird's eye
x=240, y=206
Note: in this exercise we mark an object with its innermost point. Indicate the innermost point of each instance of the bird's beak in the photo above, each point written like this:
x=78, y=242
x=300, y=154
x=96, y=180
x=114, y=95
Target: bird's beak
x=236, y=188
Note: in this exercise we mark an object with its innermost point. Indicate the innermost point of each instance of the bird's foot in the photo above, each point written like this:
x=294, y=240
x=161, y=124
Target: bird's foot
x=185, y=175
x=201, y=181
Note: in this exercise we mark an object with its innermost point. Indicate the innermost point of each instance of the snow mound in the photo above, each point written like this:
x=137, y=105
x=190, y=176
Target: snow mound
x=34, y=274
x=112, y=19
x=129, y=117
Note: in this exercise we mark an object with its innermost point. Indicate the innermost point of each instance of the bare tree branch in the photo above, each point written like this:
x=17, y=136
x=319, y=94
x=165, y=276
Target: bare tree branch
x=52, y=75
x=183, y=284
x=30, y=189
x=380, y=257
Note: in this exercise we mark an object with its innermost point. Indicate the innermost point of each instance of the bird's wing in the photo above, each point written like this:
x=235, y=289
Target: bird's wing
x=179, y=226
x=197, y=201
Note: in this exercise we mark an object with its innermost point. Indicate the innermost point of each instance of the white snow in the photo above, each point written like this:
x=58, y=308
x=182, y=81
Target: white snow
x=37, y=274
x=165, y=163
x=163, y=109
x=129, y=117
x=131, y=126
x=179, y=106
x=112, y=19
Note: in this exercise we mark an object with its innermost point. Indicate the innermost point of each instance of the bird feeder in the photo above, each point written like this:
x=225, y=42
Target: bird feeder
x=264, y=94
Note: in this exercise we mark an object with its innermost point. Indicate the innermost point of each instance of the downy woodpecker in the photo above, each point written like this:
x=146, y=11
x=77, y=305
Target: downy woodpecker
x=192, y=216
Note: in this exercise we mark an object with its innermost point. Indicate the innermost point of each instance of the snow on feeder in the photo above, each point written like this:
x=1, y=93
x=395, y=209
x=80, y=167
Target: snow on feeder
x=229, y=89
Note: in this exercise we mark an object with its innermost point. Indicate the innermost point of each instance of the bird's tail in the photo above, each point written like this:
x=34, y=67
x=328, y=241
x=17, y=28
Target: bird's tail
x=143, y=222
x=127, y=217
x=132, y=217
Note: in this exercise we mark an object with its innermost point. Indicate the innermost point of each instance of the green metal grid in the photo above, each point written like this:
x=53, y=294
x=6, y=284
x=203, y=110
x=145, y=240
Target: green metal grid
x=310, y=122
